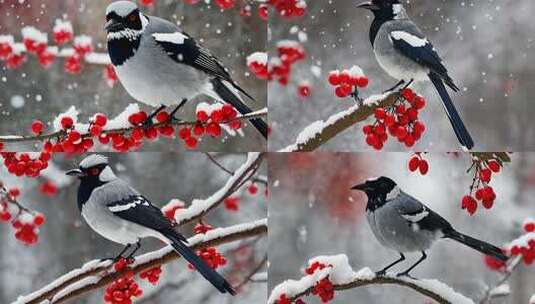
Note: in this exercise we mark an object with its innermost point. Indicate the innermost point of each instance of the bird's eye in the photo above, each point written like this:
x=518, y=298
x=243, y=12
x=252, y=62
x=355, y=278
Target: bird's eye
x=94, y=171
x=132, y=18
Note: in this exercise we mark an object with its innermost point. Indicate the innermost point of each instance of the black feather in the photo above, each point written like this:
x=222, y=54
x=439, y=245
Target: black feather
x=476, y=244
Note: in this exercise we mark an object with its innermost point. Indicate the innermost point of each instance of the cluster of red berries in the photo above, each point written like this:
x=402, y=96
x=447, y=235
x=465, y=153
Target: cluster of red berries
x=211, y=257
x=258, y=65
x=232, y=203
x=283, y=299
x=48, y=188
x=484, y=193
x=314, y=267
x=26, y=164
x=418, y=163
x=202, y=228
x=525, y=245
x=27, y=227
x=289, y=53
x=209, y=122
x=399, y=120
x=122, y=263
x=289, y=8
x=122, y=290
x=171, y=208
x=347, y=81
x=324, y=289
x=152, y=275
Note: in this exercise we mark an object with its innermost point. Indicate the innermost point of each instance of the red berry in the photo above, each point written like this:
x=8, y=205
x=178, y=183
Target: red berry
x=334, y=78
x=184, y=133
x=485, y=175
x=39, y=219
x=414, y=163
x=380, y=113
x=494, y=166
x=362, y=82
x=37, y=127
x=423, y=167
x=162, y=116
x=529, y=227
x=469, y=203
x=66, y=122
x=191, y=142
x=202, y=116
x=100, y=119
x=367, y=129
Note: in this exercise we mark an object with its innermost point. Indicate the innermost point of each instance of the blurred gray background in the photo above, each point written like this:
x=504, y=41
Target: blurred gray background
x=486, y=45
x=230, y=37
x=66, y=242
x=313, y=212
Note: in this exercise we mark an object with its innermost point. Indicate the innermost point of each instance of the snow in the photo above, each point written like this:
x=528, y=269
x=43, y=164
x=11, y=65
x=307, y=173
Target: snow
x=71, y=112
x=7, y=39
x=522, y=241
x=121, y=121
x=500, y=291
x=260, y=277
x=532, y=299
x=18, y=48
x=341, y=273
x=17, y=101
x=30, y=32
x=199, y=206
x=62, y=26
x=176, y=38
x=409, y=38
x=57, y=175
x=98, y=58
x=289, y=44
x=83, y=40
x=258, y=57
x=90, y=280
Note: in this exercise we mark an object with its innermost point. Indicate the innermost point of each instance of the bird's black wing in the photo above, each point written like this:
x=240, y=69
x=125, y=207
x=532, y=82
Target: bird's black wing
x=183, y=49
x=419, y=49
x=139, y=210
x=415, y=212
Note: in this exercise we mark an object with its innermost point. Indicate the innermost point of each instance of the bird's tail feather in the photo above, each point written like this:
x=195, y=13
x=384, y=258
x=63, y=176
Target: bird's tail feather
x=208, y=273
x=228, y=96
x=478, y=245
x=457, y=123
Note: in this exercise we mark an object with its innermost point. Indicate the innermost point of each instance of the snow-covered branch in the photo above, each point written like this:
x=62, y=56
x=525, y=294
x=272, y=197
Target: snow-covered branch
x=330, y=273
x=97, y=274
x=117, y=130
x=200, y=207
x=320, y=132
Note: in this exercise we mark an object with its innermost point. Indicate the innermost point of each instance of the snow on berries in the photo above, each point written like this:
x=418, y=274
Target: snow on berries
x=480, y=190
x=524, y=245
x=170, y=209
x=34, y=40
x=258, y=64
x=83, y=45
x=417, y=162
x=346, y=82
x=399, y=120
x=6, y=46
x=289, y=53
x=62, y=31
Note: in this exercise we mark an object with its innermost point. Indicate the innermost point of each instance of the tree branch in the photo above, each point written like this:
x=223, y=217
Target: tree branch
x=17, y=139
x=320, y=132
x=97, y=274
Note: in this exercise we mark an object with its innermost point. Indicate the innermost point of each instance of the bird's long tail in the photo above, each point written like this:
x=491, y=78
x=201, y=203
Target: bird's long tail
x=478, y=245
x=227, y=95
x=208, y=273
x=457, y=123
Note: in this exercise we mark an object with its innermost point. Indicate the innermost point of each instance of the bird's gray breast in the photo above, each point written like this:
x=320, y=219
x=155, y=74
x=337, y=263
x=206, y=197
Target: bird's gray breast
x=395, y=232
x=392, y=60
x=152, y=77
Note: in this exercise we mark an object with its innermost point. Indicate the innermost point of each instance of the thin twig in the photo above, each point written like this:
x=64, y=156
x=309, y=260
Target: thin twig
x=252, y=273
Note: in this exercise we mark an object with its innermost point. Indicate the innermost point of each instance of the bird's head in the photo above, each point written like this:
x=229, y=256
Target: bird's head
x=124, y=20
x=388, y=9
x=377, y=187
x=94, y=169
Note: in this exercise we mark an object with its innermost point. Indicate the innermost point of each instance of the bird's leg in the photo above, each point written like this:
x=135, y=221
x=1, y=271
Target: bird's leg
x=401, y=82
x=383, y=271
x=406, y=272
x=356, y=96
x=408, y=84
x=148, y=122
x=172, y=114
x=138, y=245
x=120, y=255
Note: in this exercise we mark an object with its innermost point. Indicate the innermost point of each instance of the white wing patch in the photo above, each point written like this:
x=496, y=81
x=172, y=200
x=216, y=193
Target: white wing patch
x=137, y=201
x=393, y=193
x=415, y=218
x=176, y=38
x=409, y=38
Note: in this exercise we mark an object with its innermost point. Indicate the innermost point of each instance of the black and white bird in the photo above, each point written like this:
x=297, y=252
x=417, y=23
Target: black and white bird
x=119, y=213
x=160, y=65
x=403, y=51
x=402, y=223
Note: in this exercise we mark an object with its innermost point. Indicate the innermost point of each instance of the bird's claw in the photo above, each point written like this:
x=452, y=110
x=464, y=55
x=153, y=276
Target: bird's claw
x=148, y=123
x=380, y=273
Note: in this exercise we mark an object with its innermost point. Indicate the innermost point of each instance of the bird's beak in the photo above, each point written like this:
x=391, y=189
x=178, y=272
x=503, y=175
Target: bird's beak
x=113, y=26
x=368, y=5
x=75, y=172
x=360, y=187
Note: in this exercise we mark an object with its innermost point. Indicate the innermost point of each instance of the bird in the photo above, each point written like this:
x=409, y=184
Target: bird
x=160, y=65
x=119, y=213
x=402, y=223
x=404, y=52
